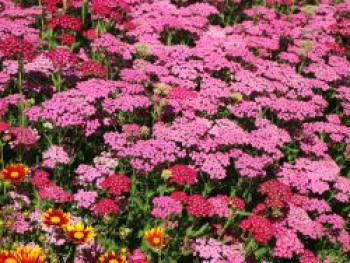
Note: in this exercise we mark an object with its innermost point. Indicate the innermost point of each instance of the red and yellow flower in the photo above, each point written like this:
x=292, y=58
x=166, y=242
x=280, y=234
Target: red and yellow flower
x=55, y=218
x=14, y=173
x=79, y=233
x=27, y=254
x=112, y=257
x=7, y=256
x=156, y=237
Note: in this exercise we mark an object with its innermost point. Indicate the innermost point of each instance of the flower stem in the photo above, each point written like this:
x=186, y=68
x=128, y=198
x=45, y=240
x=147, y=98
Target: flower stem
x=160, y=256
x=2, y=156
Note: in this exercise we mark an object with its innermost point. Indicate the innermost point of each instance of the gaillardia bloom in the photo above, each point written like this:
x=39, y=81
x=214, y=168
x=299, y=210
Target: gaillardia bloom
x=112, y=257
x=156, y=237
x=55, y=218
x=14, y=173
x=79, y=233
x=28, y=254
x=7, y=256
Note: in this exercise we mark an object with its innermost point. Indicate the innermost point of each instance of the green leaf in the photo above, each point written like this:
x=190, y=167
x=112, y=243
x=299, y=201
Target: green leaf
x=140, y=204
x=198, y=232
x=260, y=253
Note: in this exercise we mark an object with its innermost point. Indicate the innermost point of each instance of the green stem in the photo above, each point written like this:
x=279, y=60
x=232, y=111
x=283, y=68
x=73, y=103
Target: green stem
x=2, y=156
x=5, y=184
x=71, y=254
x=83, y=11
x=160, y=256
x=169, y=39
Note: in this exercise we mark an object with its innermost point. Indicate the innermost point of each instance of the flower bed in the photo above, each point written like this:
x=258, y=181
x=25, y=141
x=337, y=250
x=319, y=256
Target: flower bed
x=174, y=131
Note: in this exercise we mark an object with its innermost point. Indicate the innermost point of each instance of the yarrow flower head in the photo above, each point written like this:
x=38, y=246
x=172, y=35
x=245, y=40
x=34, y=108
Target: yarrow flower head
x=55, y=155
x=66, y=39
x=4, y=126
x=53, y=6
x=117, y=184
x=183, y=175
x=105, y=206
x=165, y=206
x=79, y=233
x=238, y=203
x=277, y=194
x=198, y=206
x=23, y=136
x=14, y=173
x=259, y=226
x=17, y=48
x=66, y=21
x=55, y=218
x=40, y=179
x=213, y=251
x=109, y=9
x=93, y=68
x=62, y=57
x=137, y=256
x=85, y=198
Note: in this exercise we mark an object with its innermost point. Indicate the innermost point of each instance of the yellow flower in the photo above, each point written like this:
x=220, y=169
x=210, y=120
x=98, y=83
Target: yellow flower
x=28, y=254
x=156, y=237
x=79, y=233
x=26, y=213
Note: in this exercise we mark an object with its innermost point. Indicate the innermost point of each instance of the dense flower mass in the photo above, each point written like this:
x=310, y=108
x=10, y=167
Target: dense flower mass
x=181, y=175
x=16, y=48
x=143, y=131
x=105, y=207
x=261, y=228
x=66, y=21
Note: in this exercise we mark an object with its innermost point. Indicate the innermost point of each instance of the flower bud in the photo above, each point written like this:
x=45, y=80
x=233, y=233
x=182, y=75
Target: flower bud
x=237, y=96
x=143, y=49
x=166, y=174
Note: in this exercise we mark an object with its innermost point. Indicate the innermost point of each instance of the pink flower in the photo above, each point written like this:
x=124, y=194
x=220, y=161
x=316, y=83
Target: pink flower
x=165, y=206
x=85, y=198
x=211, y=251
x=55, y=155
x=23, y=136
